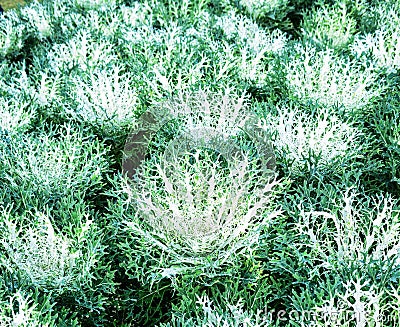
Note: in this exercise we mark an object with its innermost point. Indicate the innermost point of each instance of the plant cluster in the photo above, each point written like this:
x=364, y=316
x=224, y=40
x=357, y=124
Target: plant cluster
x=264, y=182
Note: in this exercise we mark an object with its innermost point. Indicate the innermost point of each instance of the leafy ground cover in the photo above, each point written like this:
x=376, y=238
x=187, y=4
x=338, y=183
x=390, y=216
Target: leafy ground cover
x=268, y=194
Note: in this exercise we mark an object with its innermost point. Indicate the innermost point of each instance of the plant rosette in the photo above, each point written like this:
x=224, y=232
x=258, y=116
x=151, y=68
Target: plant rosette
x=206, y=198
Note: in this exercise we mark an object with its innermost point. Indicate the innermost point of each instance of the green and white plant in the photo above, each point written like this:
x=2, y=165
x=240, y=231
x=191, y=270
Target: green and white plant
x=16, y=116
x=383, y=44
x=198, y=207
x=45, y=258
x=259, y=9
x=359, y=305
x=101, y=5
x=11, y=34
x=330, y=80
x=39, y=171
x=195, y=207
x=303, y=142
x=329, y=26
x=202, y=235
x=65, y=264
x=353, y=237
x=105, y=99
x=255, y=45
x=348, y=248
x=215, y=316
x=250, y=35
x=82, y=51
x=21, y=310
x=190, y=197
x=38, y=20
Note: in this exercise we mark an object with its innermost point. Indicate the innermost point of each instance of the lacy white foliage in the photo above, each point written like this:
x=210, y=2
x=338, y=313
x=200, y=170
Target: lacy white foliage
x=333, y=27
x=35, y=250
x=22, y=312
x=354, y=237
x=346, y=238
x=105, y=98
x=234, y=315
x=48, y=90
x=14, y=115
x=53, y=166
x=263, y=8
x=17, y=84
x=331, y=80
x=46, y=258
x=101, y=5
x=11, y=33
x=250, y=35
x=38, y=18
x=193, y=219
x=201, y=204
x=83, y=51
x=135, y=15
x=192, y=197
x=383, y=44
x=34, y=20
x=296, y=137
x=255, y=44
x=225, y=111
x=162, y=47
x=358, y=306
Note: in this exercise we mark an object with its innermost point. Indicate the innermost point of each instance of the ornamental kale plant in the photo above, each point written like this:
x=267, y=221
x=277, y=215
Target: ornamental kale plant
x=333, y=27
x=200, y=163
x=302, y=143
x=330, y=79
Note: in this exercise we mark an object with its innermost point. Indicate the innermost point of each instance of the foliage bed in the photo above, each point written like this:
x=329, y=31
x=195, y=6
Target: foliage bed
x=297, y=225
